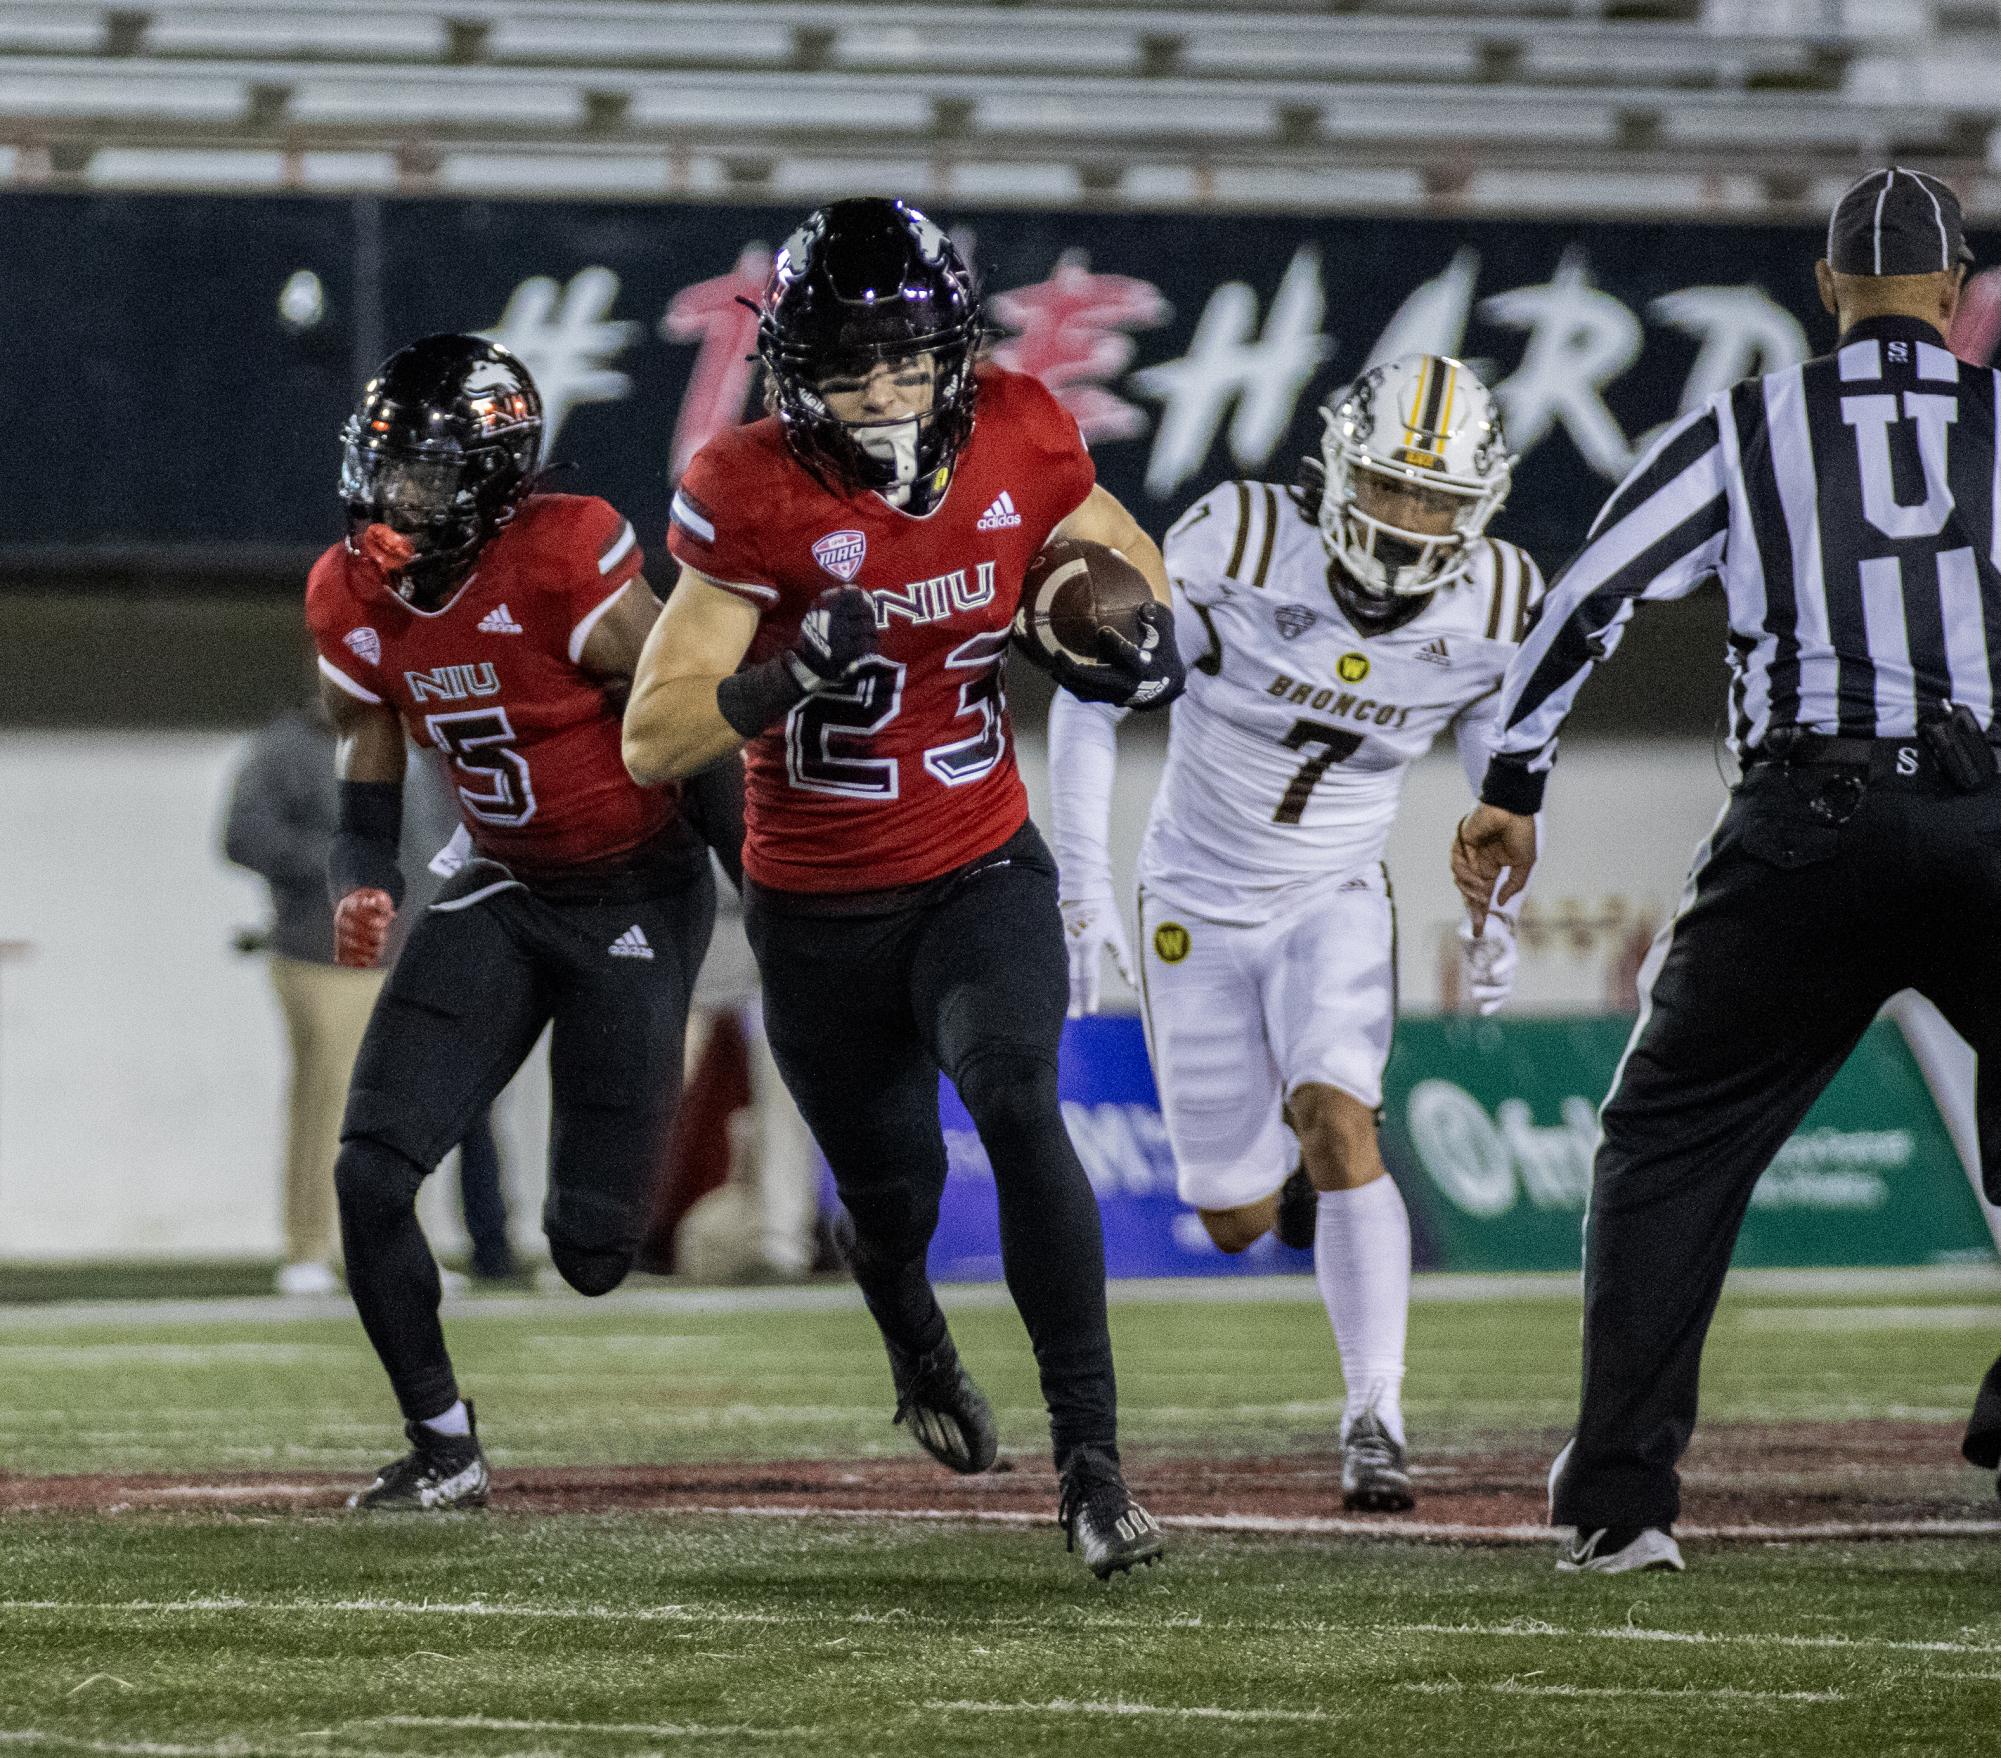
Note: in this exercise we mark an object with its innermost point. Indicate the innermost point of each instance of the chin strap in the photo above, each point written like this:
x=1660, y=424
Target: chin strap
x=1371, y=613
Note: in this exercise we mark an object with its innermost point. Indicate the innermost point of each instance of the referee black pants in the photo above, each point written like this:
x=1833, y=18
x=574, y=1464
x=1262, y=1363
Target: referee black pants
x=862, y=1009
x=1797, y=926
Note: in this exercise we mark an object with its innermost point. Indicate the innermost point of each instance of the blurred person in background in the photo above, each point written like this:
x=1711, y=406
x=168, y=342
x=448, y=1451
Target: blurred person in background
x=282, y=814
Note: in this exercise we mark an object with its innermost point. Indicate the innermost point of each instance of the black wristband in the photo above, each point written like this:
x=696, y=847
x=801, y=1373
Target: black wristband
x=363, y=857
x=759, y=695
x=1513, y=787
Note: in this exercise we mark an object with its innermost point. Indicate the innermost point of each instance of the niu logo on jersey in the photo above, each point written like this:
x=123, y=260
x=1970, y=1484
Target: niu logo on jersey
x=938, y=599
x=453, y=683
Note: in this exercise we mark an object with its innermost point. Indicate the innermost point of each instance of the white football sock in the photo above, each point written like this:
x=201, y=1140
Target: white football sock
x=1361, y=1259
x=456, y=1420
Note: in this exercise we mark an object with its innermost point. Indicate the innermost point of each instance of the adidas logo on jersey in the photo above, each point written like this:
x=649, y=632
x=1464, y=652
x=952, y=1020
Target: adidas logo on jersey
x=1001, y=516
x=1435, y=652
x=499, y=621
x=631, y=944
x=365, y=644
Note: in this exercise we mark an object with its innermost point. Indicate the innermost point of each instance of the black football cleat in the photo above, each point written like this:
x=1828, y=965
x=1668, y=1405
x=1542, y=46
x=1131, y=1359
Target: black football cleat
x=439, y=1473
x=947, y=1415
x=1375, y=1477
x=1298, y=1211
x=1100, y=1518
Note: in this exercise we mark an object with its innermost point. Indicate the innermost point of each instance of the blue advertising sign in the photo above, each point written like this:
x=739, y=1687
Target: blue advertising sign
x=1113, y=1112
x=1490, y=1128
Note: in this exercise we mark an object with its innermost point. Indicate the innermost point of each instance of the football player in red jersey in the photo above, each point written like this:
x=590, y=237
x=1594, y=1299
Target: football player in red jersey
x=500, y=626
x=850, y=568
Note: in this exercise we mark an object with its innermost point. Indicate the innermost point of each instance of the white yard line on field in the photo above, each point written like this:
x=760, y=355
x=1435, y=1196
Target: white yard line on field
x=696, y=1615
x=1529, y=1629
x=278, y=1746
x=1426, y=1289
x=666, y=1730
x=1655, y=1693
x=1172, y=1712
x=1869, y=1318
x=1421, y=1531
x=1279, y=1525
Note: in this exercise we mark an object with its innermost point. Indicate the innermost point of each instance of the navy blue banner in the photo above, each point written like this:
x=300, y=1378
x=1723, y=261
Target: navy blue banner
x=179, y=366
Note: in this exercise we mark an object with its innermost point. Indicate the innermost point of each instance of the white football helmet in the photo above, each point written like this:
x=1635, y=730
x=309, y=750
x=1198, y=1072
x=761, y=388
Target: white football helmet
x=1418, y=439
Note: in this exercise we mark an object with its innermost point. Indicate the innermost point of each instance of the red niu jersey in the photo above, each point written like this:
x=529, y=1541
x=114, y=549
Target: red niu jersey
x=494, y=680
x=907, y=771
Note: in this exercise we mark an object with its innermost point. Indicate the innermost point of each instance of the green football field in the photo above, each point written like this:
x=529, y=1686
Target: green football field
x=198, y=1595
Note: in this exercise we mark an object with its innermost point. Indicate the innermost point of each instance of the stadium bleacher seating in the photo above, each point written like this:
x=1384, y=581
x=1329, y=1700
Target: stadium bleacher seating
x=1716, y=105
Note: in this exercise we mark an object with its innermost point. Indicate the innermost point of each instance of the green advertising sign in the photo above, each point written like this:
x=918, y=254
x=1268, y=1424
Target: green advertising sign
x=1490, y=1125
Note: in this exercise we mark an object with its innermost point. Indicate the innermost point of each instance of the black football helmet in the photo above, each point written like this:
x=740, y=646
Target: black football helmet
x=441, y=449
x=860, y=282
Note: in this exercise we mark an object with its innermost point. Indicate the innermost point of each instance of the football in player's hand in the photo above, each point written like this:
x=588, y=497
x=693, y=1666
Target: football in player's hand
x=1072, y=590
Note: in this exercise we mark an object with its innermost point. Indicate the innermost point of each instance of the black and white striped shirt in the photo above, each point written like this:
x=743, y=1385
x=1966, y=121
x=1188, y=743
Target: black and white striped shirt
x=1849, y=507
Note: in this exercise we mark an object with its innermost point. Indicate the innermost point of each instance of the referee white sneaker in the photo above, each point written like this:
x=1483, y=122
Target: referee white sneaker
x=1620, y=1550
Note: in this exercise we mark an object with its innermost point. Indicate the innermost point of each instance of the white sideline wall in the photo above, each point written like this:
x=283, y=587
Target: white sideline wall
x=141, y=1059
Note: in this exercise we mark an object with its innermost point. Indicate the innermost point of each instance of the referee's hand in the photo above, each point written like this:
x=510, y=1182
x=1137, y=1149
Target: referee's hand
x=1488, y=844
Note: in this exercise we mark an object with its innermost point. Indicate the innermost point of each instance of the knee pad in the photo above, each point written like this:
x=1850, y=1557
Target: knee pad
x=590, y=1272
x=374, y=1184
x=1009, y=1088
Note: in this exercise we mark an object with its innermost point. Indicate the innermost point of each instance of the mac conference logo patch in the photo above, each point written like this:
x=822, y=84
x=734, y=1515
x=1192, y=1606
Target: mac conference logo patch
x=1170, y=941
x=840, y=553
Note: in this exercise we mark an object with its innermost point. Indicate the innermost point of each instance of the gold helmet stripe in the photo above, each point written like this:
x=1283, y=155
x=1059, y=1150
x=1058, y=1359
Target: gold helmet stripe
x=1418, y=401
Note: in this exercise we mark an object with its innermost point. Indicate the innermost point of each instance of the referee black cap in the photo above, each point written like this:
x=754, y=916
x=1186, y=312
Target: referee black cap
x=1896, y=222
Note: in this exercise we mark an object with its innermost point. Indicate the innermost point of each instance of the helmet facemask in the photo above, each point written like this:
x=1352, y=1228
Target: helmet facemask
x=907, y=458
x=1403, y=507
x=442, y=450
x=866, y=289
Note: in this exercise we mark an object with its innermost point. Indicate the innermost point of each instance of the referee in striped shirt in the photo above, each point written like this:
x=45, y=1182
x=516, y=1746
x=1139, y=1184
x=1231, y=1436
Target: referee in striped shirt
x=1849, y=507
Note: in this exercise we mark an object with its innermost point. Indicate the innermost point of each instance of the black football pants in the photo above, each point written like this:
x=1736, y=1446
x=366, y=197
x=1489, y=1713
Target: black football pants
x=1794, y=932
x=965, y=974
x=487, y=966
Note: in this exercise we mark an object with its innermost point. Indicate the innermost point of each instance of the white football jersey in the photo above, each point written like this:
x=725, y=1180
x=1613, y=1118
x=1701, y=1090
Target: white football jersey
x=1286, y=756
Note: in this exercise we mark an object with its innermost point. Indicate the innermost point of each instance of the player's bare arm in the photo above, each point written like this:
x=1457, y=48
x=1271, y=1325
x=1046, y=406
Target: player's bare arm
x=694, y=701
x=362, y=870
x=612, y=649
x=672, y=724
x=1102, y=518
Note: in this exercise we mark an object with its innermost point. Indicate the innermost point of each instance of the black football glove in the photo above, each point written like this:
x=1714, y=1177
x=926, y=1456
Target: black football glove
x=1146, y=673
x=837, y=633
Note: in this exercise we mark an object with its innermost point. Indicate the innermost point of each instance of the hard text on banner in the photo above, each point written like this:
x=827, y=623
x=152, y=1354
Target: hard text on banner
x=1182, y=365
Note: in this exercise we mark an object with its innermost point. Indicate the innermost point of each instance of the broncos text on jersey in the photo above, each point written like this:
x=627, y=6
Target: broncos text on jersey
x=1287, y=755
x=494, y=680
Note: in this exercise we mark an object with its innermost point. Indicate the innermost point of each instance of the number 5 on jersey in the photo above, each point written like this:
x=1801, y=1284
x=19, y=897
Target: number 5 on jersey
x=480, y=743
